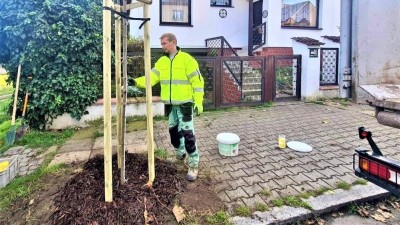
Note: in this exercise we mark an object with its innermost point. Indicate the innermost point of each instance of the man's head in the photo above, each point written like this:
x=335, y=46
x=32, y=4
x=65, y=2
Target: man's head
x=168, y=43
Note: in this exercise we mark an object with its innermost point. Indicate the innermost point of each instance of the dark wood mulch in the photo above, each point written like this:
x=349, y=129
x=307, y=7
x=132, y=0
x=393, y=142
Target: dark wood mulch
x=82, y=199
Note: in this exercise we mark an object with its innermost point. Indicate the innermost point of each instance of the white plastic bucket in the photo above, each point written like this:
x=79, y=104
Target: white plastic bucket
x=228, y=144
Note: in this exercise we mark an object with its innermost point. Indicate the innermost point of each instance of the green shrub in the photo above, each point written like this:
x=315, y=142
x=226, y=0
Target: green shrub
x=59, y=44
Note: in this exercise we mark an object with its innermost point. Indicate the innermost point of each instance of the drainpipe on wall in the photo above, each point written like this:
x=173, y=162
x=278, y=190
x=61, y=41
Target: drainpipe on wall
x=345, y=48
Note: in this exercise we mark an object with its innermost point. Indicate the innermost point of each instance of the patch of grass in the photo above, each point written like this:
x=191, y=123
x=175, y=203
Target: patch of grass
x=44, y=139
x=136, y=125
x=22, y=187
x=293, y=201
x=352, y=208
x=319, y=191
x=96, y=123
x=261, y=207
x=360, y=182
x=265, y=192
x=41, y=139
x=304, y=195
x=243, y=211
x=161, y=153
x=4, y=115
x=343, y=185
x=330, y=102
x=97, y=134
x=83, y=133
x=265, y=105
x=7, y=90
x=219, y=217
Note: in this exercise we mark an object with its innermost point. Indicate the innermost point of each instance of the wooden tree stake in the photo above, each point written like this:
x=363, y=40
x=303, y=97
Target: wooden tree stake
x=107, y=102
x=118, y=91
x=149, y=98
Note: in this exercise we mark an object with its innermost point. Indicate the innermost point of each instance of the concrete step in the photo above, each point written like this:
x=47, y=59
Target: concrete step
x=247, y=80
x=251, y=92
x=251, y=86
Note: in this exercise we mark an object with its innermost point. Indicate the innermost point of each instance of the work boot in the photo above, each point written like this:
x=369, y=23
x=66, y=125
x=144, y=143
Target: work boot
x=192, y=174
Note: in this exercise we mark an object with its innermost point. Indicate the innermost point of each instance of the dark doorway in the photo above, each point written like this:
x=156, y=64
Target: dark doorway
x=257, y=20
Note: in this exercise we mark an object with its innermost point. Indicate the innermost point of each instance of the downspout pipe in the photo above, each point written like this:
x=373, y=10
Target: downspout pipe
x=345, y=48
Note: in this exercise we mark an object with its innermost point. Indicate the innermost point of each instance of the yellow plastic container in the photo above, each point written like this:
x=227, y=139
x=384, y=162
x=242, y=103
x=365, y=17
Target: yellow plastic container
x=4, y=165
x=282, y=141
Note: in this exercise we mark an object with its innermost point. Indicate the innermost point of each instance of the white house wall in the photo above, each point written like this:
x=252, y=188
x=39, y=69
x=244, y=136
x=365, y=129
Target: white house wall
x=329, y=22
x=206, y=24
x=376, y=48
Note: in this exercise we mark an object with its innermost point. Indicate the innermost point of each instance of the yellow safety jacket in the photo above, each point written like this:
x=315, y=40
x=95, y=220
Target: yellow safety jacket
x=180, y=79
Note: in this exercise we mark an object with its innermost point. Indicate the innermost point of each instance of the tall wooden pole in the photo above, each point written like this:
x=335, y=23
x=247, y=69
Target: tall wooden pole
x=147, y=66
x=118, y=91
x=125, y=92
x=107, y=101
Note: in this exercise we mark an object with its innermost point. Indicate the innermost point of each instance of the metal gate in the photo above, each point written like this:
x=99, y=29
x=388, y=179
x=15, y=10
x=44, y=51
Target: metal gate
x=329, y=66
x=249, y=80
x=287, y=77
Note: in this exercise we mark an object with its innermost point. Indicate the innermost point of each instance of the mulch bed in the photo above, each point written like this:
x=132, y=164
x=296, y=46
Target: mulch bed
x=82, y=199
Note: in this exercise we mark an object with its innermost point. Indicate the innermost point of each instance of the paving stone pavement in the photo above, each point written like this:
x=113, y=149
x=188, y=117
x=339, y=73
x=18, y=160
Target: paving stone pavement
x=332, y=131
x=28, y=160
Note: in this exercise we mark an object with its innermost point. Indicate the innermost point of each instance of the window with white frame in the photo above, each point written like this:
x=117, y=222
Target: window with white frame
x=300, y=13
x=175, y=12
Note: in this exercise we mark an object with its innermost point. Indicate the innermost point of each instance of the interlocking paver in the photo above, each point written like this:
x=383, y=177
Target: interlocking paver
x=283, y=172
x=235, y=183
x=299, y=178
x=236, y=193
x=253, y=189
x=329, y=172
x=253, y=179
x=237, y=174
x=314, y=175
x=252, y=170
x=261, y=165
x=252, y=201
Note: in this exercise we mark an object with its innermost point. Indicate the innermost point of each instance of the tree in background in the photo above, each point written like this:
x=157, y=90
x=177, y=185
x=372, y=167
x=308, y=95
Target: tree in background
x=59, y=44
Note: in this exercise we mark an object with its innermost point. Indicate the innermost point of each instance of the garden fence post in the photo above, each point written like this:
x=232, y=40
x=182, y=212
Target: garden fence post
x=107, y=101
x=147, y=65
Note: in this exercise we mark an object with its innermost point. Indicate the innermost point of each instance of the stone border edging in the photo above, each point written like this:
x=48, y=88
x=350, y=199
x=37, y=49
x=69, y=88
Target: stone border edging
x=322, y=204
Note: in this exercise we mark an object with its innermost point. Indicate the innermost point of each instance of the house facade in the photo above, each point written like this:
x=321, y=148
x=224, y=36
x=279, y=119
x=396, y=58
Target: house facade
x=245, y=24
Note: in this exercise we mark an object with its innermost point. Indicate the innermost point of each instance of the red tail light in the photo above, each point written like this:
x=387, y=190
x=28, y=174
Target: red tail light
x=374, y=168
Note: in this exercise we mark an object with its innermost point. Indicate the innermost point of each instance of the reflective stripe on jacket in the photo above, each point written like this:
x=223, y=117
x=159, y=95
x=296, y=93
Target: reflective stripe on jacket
x=180, y=79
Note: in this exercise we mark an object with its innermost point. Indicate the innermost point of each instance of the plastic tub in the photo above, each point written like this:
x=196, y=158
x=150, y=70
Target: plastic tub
x=228, y=144
x=11, y=171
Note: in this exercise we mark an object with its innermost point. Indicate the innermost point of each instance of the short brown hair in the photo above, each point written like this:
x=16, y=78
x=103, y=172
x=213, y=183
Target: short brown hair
x=169, y=36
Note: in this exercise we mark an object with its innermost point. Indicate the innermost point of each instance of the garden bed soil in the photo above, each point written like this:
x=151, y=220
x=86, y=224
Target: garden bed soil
x=78, y=197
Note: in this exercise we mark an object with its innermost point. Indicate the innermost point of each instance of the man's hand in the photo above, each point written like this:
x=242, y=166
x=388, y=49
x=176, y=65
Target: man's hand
x=131, y=81
x=199, y=108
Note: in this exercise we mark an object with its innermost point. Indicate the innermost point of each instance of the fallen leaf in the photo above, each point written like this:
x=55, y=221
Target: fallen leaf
x=310, y=222
x=363, y=212
x=79, y=170
x=384, y=208
x=148, y=219
x=321, y=221
x=378, y=218
x=387, y=215
x=31, y=201
x=178, y=213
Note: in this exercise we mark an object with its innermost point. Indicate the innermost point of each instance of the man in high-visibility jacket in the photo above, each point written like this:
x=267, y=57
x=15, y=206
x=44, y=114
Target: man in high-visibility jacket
x=182, y=91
